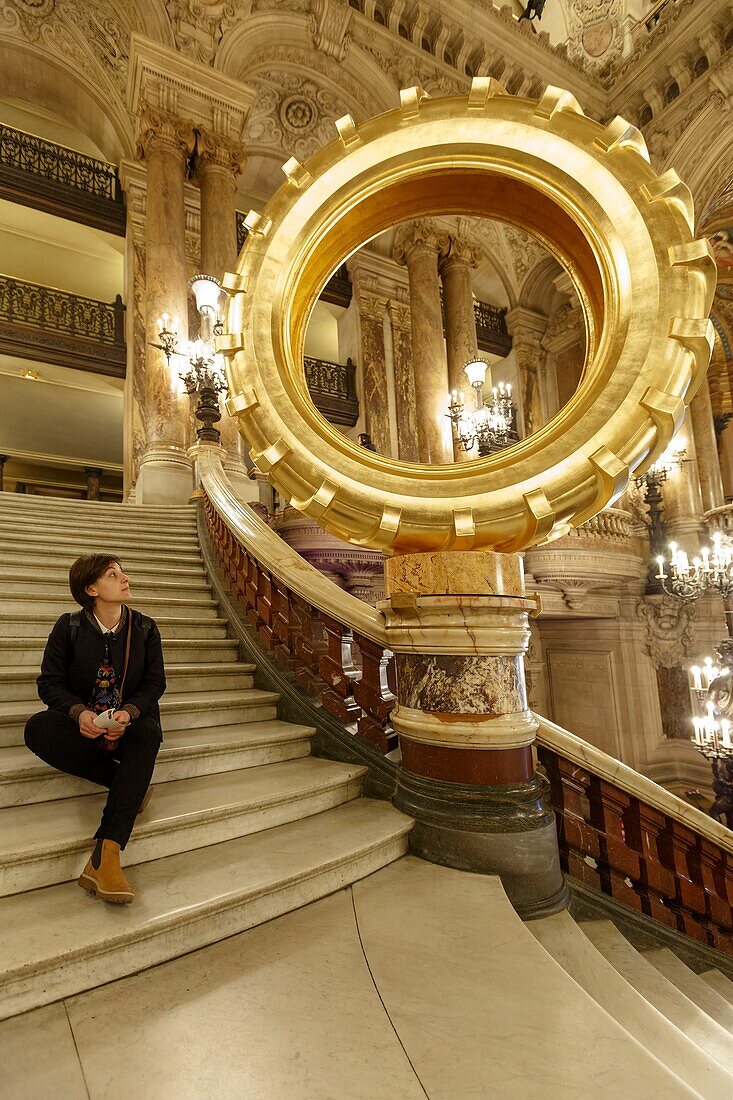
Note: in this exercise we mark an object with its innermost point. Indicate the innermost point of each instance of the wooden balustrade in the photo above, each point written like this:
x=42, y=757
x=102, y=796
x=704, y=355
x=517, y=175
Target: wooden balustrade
x=639, y=855
x=348, y=673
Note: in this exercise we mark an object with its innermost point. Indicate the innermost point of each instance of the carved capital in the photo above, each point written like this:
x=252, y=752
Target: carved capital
x=219, y=150
x=399, y=315
x=422, y=235
x=458, y=252
x=160, y=128
x=527, y=328
x=371, y=306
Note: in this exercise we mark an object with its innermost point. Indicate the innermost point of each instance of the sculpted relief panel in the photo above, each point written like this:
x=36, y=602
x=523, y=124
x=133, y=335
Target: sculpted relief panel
x=293, y=113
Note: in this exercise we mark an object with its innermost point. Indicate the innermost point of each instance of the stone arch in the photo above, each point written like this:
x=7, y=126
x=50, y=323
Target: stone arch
x=701, y=156
x=538, y=290
x=257, y=42
x=33, y=73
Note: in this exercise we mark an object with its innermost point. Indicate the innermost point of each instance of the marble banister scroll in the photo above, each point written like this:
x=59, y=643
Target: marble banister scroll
x=627, y=837
x=333, y=643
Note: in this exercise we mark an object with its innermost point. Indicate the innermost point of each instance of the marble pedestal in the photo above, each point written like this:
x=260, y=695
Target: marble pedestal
x=166, y=477
x=458, y=625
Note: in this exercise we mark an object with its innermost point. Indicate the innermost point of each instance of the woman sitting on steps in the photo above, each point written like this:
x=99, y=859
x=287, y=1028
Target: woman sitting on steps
x=104, y=657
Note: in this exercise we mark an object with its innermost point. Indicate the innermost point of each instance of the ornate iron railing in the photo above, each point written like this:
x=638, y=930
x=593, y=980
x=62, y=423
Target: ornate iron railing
x=39, y=322
x=62, y=181
x=332, y=387
x=491, y=331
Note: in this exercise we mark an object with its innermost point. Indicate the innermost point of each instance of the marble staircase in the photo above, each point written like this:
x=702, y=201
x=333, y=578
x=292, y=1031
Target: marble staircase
x=245, y=823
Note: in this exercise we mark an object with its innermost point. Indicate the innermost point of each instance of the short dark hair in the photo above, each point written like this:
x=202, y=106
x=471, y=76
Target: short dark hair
x=85, y=571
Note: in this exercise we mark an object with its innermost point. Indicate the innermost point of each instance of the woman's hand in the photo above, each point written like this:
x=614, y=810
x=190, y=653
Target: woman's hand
x=86, y=725
x=113, y=734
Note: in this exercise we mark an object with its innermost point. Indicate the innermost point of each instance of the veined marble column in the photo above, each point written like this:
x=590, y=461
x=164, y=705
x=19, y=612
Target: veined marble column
x=706, y=445
x=219, y=161
x=457, y=259
x=372, y=361
x=458, y=624
x=527, y=328
x=165, y=142
x=683, y=507
x=404, y=381
x=417, y=245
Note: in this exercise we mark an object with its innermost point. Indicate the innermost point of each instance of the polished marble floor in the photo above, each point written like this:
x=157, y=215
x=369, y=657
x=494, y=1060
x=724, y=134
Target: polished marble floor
x=417, y=982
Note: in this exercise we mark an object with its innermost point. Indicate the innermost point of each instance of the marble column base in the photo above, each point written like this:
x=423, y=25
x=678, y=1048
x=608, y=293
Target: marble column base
x=166, y=477
x=502, y=830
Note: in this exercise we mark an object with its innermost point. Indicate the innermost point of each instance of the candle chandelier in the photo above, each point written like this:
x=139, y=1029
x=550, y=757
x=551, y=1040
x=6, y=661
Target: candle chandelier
x=491, y=424
x=201, y=367
x=711, y=690
x=709, y=571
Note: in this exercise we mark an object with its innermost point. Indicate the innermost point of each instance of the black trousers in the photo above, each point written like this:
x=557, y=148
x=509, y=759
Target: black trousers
x=55, y=738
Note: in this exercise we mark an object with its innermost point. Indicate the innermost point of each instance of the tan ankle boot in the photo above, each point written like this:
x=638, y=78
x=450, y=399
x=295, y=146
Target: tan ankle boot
x=106, y=880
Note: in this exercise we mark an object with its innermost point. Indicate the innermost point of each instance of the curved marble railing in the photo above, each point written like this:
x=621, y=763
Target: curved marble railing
x=280, y=559
x=619, y=832
x=720, y=519
x=624, y=835
x=611, y=523
x=333, y=644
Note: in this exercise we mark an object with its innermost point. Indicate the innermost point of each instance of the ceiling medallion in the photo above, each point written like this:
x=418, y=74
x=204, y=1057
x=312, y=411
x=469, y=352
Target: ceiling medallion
x=298, y=113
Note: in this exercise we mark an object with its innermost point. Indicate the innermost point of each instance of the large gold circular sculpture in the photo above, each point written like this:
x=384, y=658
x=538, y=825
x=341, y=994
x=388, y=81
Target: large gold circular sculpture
x=588, y=192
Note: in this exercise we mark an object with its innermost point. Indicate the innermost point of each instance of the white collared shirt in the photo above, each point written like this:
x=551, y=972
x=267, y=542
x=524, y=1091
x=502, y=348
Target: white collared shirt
x=106, y=629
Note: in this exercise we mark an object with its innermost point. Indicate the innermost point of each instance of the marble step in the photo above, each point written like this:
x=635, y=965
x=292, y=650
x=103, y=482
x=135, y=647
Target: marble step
x=720, y=983
x=566, y=943
x=713, y=1039
x=16, y=583
x=102, y=542
x=55, y=569
x=182, y=710
x=36, y=624
x=480, y=1006
x=18, y=684
x=688, y=982
x=43, y=845
x=16, y=652
x=56, y=558
x=56, y=943
x=65, y=527
x=21, y=502
x=11, y=606
x=25, y=780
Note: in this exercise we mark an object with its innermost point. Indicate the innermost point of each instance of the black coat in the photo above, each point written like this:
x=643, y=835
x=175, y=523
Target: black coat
x=69, y=671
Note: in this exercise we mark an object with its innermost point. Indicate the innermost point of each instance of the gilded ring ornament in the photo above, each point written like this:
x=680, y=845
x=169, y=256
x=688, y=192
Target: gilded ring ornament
x=588, y=192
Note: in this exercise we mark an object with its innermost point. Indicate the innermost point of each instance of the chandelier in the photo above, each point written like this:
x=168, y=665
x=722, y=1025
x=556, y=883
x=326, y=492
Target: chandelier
x=712, y=689
x=709, y=571
x=201, y=367
x=491, y=424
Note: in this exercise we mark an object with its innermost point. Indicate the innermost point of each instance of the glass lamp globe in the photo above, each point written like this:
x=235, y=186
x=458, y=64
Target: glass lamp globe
x=475, y=371
x=206, y=290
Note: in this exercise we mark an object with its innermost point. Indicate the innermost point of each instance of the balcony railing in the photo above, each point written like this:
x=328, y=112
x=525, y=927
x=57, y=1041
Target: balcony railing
x=39, y=322
x=332, y=387
x=61, y=181
x=491, y=330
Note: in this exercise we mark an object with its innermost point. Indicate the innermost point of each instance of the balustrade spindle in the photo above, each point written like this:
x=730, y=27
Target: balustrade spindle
x=336, y=667
x=283, y=629
x=375, y=696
